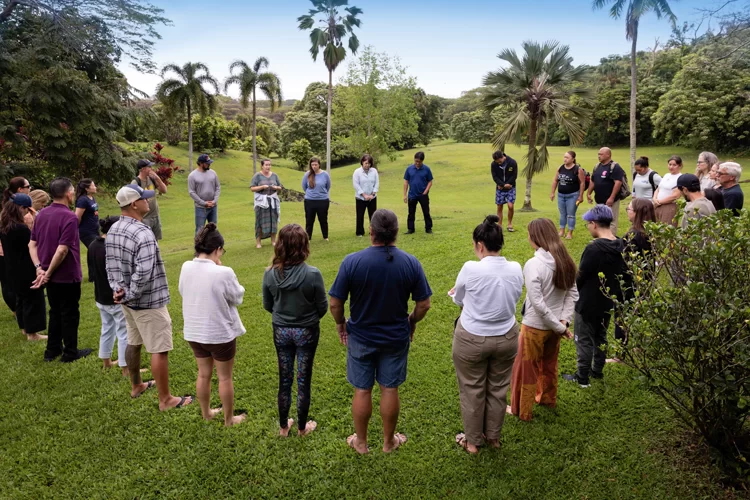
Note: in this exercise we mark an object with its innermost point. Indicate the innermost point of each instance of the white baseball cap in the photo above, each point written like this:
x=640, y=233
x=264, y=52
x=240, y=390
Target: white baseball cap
x=132, y=192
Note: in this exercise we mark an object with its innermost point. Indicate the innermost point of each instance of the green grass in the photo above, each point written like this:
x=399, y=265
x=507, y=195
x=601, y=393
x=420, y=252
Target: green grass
x=71, y=431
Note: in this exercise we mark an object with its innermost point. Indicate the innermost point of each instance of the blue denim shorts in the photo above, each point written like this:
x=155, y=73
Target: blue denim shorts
x=504, y=197
x=365, y=365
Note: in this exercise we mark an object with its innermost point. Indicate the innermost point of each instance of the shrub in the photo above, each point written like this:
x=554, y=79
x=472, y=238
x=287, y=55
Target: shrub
x=300, y=153
x=165, y=167
x=691, y=340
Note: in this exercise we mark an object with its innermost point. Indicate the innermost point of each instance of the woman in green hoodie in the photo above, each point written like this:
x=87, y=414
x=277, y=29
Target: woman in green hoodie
x=295, y=295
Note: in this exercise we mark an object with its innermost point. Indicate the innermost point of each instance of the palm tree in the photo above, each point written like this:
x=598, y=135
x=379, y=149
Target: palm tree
x=186, y=93
x=535, y=90
x=330, y=36
x=249, y=80
x=636, y=9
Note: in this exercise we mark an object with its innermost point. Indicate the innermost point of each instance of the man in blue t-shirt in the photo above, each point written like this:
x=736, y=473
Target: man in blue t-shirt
x=380, y=280
x=418, y=182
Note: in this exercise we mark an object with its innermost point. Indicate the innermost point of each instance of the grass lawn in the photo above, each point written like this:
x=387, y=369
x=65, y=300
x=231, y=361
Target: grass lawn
x=71, y=431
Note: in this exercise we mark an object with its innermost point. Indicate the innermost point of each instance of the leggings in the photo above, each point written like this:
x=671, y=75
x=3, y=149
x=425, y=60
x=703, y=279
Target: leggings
x=302, y=343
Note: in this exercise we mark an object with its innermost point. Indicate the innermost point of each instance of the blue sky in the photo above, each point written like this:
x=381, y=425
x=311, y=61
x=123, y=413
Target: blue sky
x=447, y=46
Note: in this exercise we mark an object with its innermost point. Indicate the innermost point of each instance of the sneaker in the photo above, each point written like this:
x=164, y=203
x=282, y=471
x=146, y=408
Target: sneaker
x=82, y=353
x=411, y=231
x=598, y=376
x=574, y=378
x=428, y=231
x=50, y=357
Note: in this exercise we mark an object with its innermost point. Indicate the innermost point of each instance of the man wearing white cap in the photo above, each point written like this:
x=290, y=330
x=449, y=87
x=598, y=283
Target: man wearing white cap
x=137, y=276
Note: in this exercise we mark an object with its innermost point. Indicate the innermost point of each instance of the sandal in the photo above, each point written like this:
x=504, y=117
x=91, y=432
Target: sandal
x=149, y=385
x=511, y=229
x=461, y=441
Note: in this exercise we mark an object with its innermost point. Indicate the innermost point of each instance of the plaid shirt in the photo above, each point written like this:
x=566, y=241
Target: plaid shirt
x=135, y=265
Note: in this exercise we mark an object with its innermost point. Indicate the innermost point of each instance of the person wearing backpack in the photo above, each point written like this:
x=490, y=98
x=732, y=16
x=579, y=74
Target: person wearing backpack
x=148, y=180
x=570, y=183
x=607, y=183
x=645, y=180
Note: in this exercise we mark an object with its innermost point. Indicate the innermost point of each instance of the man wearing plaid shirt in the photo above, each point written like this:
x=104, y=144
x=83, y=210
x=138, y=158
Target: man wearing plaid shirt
x=136, y=274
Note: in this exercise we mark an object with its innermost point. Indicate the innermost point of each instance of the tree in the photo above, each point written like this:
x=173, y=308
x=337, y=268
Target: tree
x=537, y=90
x=215, y=132
x=186, y=92
x=303, y=125
x=249, y=80
x=472, y=126
x=315, y=98
x=330, y=37
x=636, y=10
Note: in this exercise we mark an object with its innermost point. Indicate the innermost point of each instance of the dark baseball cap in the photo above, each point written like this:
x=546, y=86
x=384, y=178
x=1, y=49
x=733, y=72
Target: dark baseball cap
x=689, y=181
x=23, y=200
x=145, y=163
x=205, y=159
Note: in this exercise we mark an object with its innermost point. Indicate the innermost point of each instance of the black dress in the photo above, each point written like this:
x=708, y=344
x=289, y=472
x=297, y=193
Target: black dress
x=31, y=311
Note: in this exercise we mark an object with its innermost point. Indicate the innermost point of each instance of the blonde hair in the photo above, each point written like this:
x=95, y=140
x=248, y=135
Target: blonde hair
x=39, y=199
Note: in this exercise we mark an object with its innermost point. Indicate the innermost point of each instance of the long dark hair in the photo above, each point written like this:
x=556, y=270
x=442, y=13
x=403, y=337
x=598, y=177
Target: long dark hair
x=642, y=161
x=208, y=240
x=542, y=233
x=490, y=234
x=12, y=214
x=83, y=186
x=311, y=173
x=644, y=212
x=14, y=185
x=292, y=248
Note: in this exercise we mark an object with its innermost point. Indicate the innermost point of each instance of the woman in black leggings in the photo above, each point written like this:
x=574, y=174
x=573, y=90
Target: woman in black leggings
x=295, y=295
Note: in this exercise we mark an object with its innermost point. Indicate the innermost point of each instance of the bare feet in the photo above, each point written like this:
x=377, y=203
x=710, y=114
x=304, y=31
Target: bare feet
x=237, y=419
x=493, y=443
x=284, y=432
x=258, y=245
x=614, y=360
x=35, y=336
x=353, y=442
x=398, y=440
x=109, y=363
x=212, y=412
x=463, y=443
x=310, y=426
x=138, y=391
x=561, y=232
x=508, y=410
x=176, y=402
x=569, y=236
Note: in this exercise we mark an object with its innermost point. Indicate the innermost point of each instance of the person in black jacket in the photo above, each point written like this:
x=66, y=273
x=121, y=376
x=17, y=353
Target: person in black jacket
x=113, y=318
x=594, y=307
x=504, y=172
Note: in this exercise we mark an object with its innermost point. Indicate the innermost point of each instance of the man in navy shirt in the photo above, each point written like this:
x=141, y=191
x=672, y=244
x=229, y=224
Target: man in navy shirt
x=418, y=182
x=380, y=279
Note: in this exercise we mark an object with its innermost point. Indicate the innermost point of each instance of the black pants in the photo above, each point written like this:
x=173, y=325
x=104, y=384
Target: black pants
x=9, y=296
x=591, y=337
x=64, y=316
x=87, y=239
x=31, y=310
x=291, y=342
x=317, y=208
x=424, y=202
x=363, y=205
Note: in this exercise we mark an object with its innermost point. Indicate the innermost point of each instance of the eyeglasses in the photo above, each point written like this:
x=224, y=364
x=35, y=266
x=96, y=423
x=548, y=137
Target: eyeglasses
x=702, y=161
x=722, y=173
x=28, y=186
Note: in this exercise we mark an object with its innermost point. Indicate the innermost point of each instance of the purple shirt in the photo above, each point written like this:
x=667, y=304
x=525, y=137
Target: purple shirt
x=58, y=225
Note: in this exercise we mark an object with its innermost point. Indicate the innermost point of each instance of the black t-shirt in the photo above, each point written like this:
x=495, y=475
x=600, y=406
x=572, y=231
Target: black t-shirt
x=97, y=260
x=604, y=178
x=734, y=198
x=20, y=269
x=567, y=180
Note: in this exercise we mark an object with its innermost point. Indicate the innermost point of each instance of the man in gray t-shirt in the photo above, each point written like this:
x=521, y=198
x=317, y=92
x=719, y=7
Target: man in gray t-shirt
x=204, y=188
x=698, y=205
x=148, y=180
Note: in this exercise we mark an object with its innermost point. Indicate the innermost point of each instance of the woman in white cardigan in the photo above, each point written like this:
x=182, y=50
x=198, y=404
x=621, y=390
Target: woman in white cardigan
x=550, y=278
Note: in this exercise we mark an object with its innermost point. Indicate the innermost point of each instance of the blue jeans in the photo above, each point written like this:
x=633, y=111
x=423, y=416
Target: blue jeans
x=203, y=215
x=113, y=326
x=566, y=203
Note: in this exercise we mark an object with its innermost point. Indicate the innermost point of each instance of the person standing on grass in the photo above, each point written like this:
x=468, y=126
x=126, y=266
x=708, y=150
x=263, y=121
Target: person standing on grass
x=603, y=256
x=266, y=185
x=570, y=183
x=417, y=184
x=148, y=180
x=606, y=180
x=697, y=204
x=210, y=296
x=504, y=172
x=667, y=193
x=87, y=211
x=15, y=185
x=366, y=184
x=112, y=316
x=294, y=294
x=137, y=276
x=379, y=279
x=15, y=235
x=551, y=293
x=729, y=177
x=704, y=166
x=485, y=339
x=204, y=188
x=316, y=184
x=645, y=180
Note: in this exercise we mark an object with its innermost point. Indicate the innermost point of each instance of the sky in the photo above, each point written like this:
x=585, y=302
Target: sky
x=447, y=45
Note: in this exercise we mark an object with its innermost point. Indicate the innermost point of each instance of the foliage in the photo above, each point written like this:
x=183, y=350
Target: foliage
x=165, y=167
x=429, y=118
x=300, y=153
x=315, y=99
x=266, y=129
x=215, y=132
x=472, y=126
x=691, y=340
x=303, y=125
x=247, y=146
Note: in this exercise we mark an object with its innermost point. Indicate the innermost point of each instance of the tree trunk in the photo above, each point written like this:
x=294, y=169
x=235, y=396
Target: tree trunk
x=255, y=150
x=190, y=137
x=8, y=10
x=633, y=95
x=529, y=166
x=328, y=125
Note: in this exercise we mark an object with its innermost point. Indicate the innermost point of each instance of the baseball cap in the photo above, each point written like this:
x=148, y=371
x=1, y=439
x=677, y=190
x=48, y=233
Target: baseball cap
x=205, y=159
x=23, y=200
x=689, y=181
x=145, y=163
x=130, y=193
x=598, y=214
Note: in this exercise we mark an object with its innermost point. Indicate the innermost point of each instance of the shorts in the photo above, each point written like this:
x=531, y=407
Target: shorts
x=365, y=365
x=220, y=352
x=503, y=197
x=151, y=328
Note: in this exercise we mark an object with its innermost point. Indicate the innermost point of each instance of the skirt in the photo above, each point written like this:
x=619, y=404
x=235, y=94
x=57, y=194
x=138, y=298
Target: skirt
x=266, y=222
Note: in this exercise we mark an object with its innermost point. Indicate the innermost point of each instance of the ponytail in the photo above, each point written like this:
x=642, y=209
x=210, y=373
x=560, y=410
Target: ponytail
x=490, y=233
x=208, y=240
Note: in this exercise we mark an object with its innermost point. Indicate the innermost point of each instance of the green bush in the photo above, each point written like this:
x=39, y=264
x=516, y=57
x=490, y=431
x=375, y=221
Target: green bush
x=214, y=132
x=300, y=153
x=688, y=329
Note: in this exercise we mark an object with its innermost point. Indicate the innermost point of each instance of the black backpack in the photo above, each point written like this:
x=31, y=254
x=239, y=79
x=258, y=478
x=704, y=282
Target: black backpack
x=650, y=179
x=586, y=175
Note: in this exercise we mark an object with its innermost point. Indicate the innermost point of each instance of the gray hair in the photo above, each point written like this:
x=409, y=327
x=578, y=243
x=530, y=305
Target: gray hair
x=733, y=169
x=384, y=226
x=710, y=158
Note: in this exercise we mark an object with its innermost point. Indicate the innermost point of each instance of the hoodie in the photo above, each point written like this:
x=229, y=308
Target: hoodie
x=298, y=298
x=545, y=304
x=600, y=256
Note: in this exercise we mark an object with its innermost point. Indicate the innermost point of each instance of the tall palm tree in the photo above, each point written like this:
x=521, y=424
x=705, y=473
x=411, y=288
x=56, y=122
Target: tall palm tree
x=534, y=90
x=186, y=93
x=636, y=10
x=249, y=80
x=335, y=27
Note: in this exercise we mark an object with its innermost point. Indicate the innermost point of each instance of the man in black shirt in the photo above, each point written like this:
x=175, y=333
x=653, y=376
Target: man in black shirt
x=504, y=172
x=729, y=175
x=605, y=183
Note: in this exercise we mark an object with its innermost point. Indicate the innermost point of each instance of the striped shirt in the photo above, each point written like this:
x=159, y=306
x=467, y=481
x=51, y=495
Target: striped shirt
x=135, y=265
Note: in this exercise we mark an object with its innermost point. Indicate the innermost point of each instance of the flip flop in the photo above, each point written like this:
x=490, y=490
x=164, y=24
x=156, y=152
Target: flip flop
x=511, y=229
x=350, y=443
x=182, y=401
x=149, y=385
x=400, y=440
x=461, y=441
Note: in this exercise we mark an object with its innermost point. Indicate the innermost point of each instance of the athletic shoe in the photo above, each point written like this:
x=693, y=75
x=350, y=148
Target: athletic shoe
x=82, y=353
x=574, y=378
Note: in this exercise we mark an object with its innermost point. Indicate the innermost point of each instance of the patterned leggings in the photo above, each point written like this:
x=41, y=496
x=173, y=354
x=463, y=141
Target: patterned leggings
x=302, y=343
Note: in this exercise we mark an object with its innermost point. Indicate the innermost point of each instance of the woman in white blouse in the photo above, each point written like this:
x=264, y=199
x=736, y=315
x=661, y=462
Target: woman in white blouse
x=485, y=340
x=366, y=183
x=667, y=193
x=210, y=296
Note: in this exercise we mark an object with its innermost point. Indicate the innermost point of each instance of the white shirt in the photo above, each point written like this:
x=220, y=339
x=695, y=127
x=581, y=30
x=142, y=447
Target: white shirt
x=365, y=182
x=546, y=305
x=642, y=187
x=668, y=183
x=707, y=183
x=210, y=296
x=488, y=291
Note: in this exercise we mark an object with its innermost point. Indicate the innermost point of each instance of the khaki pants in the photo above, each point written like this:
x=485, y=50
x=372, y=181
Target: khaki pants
x=484, y=367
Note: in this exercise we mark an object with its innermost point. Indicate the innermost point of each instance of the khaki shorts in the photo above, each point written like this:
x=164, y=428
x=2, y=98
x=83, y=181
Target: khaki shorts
x=149, y=327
